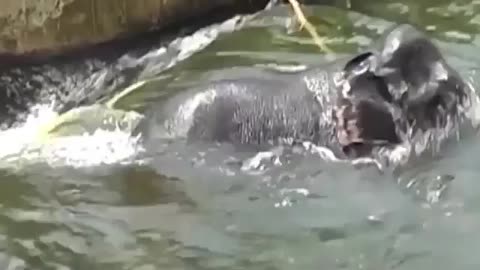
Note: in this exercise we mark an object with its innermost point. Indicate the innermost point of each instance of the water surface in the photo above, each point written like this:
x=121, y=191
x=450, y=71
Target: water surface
x=91, y=202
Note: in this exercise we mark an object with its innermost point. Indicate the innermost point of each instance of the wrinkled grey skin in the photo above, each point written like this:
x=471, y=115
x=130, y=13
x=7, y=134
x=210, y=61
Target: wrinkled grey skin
x=401, y=92
x=258, y=110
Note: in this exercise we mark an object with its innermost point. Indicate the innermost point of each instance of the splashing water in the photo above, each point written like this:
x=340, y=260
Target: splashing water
x=82, y=150
x=100, y=146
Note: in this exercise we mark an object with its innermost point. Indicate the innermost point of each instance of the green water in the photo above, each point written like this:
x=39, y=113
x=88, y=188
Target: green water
x=193, y=207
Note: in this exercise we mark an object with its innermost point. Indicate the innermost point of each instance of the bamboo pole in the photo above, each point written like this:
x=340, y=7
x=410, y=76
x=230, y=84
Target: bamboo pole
x=305, y=24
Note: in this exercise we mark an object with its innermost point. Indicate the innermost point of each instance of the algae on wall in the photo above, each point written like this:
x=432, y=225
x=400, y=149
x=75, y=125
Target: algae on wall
x=52, y=25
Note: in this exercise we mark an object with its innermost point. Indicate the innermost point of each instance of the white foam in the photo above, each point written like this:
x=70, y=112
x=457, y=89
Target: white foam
x=15, y=139
x=20, y=145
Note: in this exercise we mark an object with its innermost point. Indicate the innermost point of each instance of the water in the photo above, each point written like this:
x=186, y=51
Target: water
x=93, y=200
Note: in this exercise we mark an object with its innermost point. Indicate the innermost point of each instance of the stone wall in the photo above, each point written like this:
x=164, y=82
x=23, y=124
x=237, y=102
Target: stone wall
x=50, y=26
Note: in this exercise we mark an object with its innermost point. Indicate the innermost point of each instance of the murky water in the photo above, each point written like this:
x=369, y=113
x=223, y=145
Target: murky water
x=93, y=201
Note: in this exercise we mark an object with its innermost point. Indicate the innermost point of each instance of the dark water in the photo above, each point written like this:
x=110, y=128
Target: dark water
x=90, y=202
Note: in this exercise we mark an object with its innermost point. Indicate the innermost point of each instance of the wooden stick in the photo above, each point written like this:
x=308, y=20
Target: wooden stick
x=304, y=23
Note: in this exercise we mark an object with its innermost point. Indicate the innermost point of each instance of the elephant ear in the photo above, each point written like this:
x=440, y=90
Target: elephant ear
x=363, y=124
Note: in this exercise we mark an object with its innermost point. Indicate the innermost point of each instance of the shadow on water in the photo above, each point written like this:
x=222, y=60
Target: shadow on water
x=200, y=207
